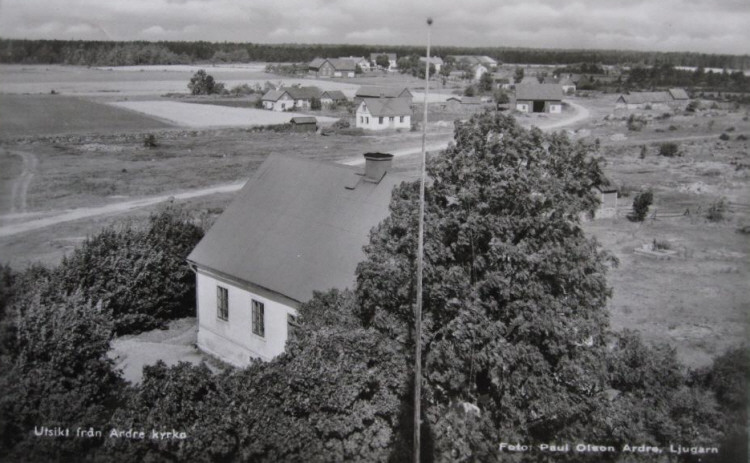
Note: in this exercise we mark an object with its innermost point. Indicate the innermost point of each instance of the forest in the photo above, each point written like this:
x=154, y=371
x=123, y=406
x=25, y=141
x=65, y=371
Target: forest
x=517, y=344
x=113, y=53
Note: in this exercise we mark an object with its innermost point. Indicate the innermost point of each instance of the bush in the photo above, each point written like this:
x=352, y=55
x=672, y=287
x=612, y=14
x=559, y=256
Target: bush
x=641, y=203
x=724, y=137
x=150, y=141
x=692, y=106
x=661, y=245
x=141, y=274
x=741, y=137
x=716, y=210
x=635, y=123
x=669, y=149
x=204, y=84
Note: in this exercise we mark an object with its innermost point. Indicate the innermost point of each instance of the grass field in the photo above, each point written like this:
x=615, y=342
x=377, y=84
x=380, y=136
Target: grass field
x=201, y=116
x=23, y=115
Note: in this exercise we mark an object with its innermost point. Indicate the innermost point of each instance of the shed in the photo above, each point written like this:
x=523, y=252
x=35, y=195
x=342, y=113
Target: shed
x=539, y=98
x=304, y=124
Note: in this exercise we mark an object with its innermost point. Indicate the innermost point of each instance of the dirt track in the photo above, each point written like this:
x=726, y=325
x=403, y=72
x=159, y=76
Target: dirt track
x=21, y=184
x=56, y=217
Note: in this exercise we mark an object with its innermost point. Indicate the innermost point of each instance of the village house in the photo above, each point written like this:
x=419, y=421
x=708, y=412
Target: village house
x=382, y=92
x=392, y=60
x=289, y=98
x=436, y=61
x=568, y=86
x=644, y=100
x=330, y=67
x=330, y=97
x=539, y=98
x=297, y=226
x=384, y=113
x=361, y=61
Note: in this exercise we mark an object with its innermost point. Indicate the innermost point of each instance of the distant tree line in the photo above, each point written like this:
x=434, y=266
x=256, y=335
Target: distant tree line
x=665, y=75
x=111, y=53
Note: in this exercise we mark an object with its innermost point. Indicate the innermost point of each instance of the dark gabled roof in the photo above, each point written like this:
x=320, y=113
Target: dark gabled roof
x=645, y=97
x=385, y=92
x=317, y=63
x=296, y=226
x=335, y=95
x=385, y=107
x=539, y=92
x=471, y=100
x=303, y=93
x=273, y=95
x=678, y=94
x=303, y=120
x=344, y=65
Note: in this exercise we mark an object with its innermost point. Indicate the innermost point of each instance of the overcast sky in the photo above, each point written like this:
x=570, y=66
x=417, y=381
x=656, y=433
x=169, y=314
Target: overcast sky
x=710, y=26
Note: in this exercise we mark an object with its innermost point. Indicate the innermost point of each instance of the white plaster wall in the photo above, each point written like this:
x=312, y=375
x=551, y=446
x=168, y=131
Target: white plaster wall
x=374, y=122
x=233, y=339
x=555, y=108
x=523, y=107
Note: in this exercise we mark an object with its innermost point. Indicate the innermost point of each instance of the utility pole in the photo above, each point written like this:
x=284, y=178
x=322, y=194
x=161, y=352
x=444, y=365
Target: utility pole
x=420, y=258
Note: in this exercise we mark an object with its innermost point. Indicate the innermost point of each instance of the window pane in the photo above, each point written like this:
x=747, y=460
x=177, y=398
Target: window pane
x=259, y=318
x=222, y=303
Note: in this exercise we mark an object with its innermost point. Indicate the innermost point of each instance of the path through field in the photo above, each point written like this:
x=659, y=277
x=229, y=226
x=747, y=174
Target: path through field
x=56, y=217
x=21, y=184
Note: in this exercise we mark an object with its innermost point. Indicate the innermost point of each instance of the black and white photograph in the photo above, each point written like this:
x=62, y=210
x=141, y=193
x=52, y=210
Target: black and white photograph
x=397, y=231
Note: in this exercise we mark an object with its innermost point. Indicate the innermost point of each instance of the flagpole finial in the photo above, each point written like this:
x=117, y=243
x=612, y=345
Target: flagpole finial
x=429, y=21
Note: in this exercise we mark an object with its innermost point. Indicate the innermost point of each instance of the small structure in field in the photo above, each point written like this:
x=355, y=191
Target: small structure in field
x=539, y=98
x=675, y=97
x=384, y=113
x=608, y=202
x=304, y=124
x=297, y=226
x=331, y=97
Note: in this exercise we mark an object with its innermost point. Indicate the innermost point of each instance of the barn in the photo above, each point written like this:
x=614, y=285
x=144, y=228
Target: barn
x=297, y=226
x=539, y=98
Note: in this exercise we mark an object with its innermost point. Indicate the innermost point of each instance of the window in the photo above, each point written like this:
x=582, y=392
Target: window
x=258, y=318
x=401, y=119
x=291, y=326
x=361, y=118
x=222, y=303
x=283, y=105
x=380, y=120
x=391, y=119
x=367, y=119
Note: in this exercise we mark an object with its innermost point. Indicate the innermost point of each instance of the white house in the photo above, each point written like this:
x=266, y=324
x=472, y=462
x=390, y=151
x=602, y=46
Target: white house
x=297, y=226
x=384, y=113
x=436, y=61
x=290, y=98
x=328, y=67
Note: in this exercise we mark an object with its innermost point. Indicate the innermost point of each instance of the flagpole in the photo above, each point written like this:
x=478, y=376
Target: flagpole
x=420, y=258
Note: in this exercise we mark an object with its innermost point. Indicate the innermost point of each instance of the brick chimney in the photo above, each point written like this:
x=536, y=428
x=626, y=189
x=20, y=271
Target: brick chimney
x=376, y=166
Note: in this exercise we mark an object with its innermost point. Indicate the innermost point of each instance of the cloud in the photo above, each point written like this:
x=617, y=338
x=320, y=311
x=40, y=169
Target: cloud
x=713, y=26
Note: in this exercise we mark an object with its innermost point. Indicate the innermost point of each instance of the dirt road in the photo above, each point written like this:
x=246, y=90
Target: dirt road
x=56, y=217
x=21, y=184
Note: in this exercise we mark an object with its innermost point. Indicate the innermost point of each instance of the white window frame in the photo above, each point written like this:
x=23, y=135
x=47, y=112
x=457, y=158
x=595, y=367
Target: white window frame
x=258, y=312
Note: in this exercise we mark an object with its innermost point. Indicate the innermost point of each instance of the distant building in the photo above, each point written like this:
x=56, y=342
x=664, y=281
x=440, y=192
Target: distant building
x=436, y=61
x=608, y=202
x=392, y=60
x=330, y=97
x=384, y=113
x=289, y=98
x=568, y=86
x=679, y=95
x=382, y=92
x=361, y=61
x=304, y=124
x=539, y=98
x=475, y=60
x=296, y=227
x=642, y=100
x=330, y=67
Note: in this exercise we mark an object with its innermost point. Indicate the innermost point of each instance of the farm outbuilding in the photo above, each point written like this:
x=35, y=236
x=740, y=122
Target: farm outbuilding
x=330, y=67
x=296, y=227
x=608, y=202
x=643, y=100
x=384, y=113
x=329, y=97
x=539, y=98
x=304, y=124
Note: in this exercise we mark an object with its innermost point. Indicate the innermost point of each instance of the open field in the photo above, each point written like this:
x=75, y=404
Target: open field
x=698, y=301
x=22, y=115
x=201, y=116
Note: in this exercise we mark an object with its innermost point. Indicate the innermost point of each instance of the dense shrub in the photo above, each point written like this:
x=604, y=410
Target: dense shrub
x=141, y=274
x=724, y=137
x=669, y=149
x=641, y=203
x=716, y=210
x=315, y=104
x=635, y=123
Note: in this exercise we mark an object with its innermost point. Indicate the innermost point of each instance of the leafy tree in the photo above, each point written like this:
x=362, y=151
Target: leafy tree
x=501, y=96
x=315, y=104
x=716, y=210
x=204, y=84
x=141, y=274
x=57, y=374
x=470, y=91
x=518, y=76
x=358, y=69
x=514, y=292
x=641, y=203
x=486, y=82
x=669, y=149
x=382, y=62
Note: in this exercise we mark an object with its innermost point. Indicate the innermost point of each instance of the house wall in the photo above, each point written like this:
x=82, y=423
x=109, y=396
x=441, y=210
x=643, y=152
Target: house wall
x=282, y=104
x=608, y=206
x=554, y=108
x=233, y=340
x=525, y=106
x=366, y=121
